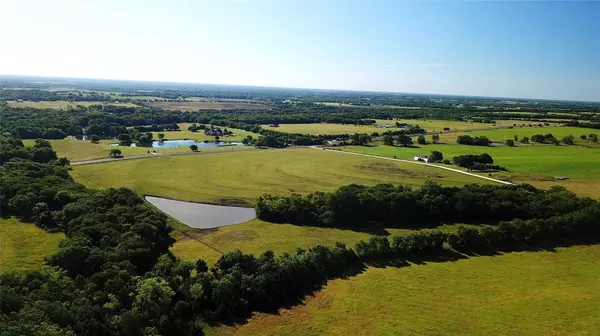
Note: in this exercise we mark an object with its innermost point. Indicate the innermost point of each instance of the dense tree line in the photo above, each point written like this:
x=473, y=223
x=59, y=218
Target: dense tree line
x=157, y=128
x=473, y=141
x=401, y=206
x=476, y=162
x=29, y=123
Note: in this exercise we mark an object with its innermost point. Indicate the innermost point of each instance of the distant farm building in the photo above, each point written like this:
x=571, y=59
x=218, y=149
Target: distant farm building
x=421, y=158
x=274, y=125
x=561, y=178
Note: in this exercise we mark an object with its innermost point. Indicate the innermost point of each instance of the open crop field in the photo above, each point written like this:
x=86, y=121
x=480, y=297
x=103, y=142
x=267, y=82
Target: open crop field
x=62, y=104
x=208, y=105
x=536, y=164
x=23, y=246
x=516, y=294
x=240, y=178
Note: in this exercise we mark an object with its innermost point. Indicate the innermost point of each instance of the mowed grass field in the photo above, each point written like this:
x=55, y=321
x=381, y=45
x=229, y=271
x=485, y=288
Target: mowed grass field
x=516, y=294
x=62, y=104
x=208, y=105
x=244, y=176
x=23, y=246
x=238, y=134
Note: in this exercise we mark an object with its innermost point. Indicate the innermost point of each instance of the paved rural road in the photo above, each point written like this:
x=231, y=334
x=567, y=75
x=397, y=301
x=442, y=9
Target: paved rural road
x=148, y=156
x=421, y=163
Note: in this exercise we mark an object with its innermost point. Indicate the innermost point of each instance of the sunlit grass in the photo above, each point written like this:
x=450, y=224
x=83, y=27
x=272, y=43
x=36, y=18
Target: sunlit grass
x=525, y=293
x=23, y=246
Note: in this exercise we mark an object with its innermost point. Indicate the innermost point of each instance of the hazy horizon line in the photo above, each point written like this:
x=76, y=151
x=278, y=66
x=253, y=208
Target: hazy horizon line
x=301, y=88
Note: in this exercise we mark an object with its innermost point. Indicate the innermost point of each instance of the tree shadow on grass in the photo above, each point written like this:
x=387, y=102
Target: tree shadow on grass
x=447, y=255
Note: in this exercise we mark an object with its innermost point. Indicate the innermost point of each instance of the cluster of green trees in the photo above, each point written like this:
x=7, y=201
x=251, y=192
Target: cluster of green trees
x=407, y=129
x=436, y=156
x=473, y=141
x=400, y=206
x=40, y=152
x=476, y=162
x=196, y=128
x=30, y=123
x=400, y=140
x=157, y=128
x=595, y=123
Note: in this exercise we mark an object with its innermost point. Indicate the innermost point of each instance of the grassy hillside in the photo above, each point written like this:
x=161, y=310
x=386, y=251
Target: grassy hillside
x=23, y=246
x=244, y=176
x=527, y=293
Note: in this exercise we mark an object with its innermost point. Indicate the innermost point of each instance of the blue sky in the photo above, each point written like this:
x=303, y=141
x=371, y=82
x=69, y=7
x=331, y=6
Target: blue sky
x=510, y=49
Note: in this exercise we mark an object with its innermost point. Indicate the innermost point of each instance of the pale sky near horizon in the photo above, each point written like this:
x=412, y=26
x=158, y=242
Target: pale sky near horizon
x=508, y=49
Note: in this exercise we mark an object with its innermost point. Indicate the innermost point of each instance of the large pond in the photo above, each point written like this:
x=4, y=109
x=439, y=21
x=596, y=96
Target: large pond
x=202, y=216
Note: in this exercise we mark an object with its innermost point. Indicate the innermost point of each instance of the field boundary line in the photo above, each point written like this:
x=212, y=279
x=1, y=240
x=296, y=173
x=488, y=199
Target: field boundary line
x=422, y=164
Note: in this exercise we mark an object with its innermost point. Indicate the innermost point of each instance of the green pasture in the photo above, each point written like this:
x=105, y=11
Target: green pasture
x=226, y=178
x=23, y=246
x=533, y=163
x=506, y=133
x=514, y=294
x=238, y=134
x=257, y=236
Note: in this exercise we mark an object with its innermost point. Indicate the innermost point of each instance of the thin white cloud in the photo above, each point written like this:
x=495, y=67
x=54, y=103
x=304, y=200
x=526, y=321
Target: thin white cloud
x=433, y=65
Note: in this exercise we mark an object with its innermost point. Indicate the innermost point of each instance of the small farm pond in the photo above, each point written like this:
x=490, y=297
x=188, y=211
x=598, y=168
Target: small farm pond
x=202, y=216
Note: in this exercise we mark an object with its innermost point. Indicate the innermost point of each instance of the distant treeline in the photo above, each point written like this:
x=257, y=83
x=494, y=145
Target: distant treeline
x=39, y=89
x=111, y=121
